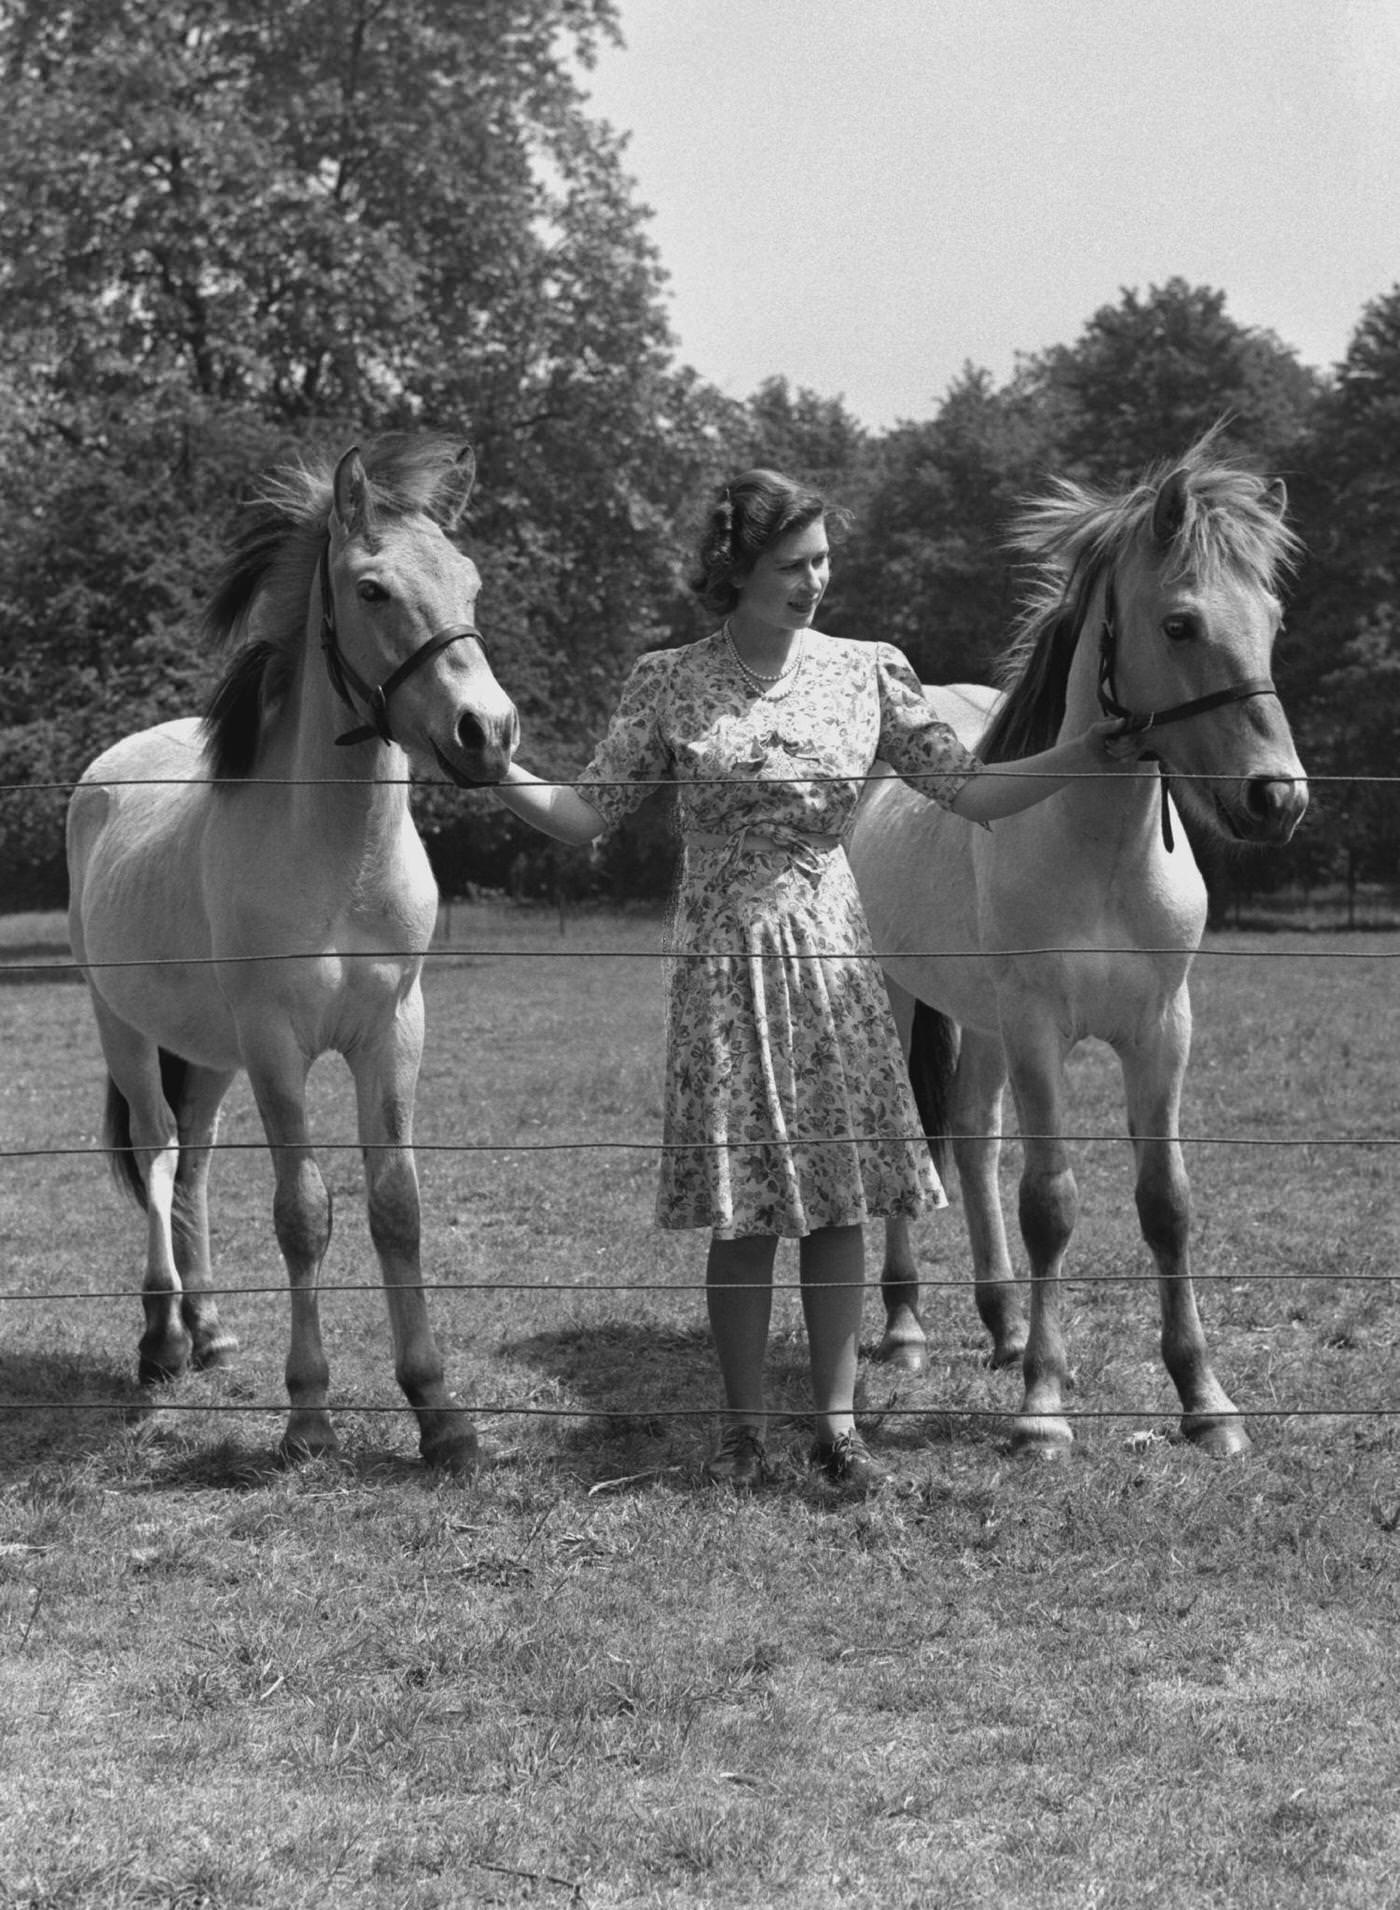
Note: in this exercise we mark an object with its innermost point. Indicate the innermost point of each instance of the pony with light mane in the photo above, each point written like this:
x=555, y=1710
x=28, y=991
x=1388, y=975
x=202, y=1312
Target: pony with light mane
x=1079, y=917
x=249, y=891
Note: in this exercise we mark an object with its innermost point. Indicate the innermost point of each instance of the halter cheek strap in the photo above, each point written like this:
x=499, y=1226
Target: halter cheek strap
x=1138, y=722
x=346, y=680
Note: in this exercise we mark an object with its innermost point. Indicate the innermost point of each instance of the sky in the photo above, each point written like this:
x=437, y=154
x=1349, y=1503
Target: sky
x=865, y=196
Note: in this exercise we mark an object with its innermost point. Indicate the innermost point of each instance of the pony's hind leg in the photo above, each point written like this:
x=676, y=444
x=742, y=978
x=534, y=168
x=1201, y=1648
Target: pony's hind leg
x=974, y=1115
x=1209, y=1418
x=903, y=1343
x=929, y=1043
x=197, y=1110
x=141, y=1137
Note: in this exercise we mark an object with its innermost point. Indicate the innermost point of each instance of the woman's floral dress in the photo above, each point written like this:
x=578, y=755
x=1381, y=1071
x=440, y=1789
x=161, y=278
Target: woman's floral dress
x=787, y=1104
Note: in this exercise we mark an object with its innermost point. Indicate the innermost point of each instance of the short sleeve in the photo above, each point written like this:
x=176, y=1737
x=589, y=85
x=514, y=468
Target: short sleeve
x=633, y=756
x=916, y=743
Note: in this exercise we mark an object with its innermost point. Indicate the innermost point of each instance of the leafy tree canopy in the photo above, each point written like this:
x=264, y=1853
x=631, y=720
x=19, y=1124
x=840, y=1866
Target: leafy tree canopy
x=1148, y=376
x=235, y=232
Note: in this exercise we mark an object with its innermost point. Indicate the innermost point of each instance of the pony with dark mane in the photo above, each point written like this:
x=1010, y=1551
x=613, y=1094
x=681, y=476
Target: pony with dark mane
x=1080, y=916
x=249, y=891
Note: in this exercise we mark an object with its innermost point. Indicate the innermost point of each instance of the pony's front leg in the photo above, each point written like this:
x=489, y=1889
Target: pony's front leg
x=1153, y=1084
x=1049, y=1207
x=301, y=1212
x=385, y=1080
x=978, y=1092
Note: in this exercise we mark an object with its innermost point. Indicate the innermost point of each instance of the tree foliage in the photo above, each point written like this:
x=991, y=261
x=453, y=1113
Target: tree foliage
x=233, y=233
x=929, y=569
x=230, y=231
x=1148, y=376
x=1347, y=615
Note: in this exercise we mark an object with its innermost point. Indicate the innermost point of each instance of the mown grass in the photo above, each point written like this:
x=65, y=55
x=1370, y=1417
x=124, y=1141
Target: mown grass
x=1131, y=1678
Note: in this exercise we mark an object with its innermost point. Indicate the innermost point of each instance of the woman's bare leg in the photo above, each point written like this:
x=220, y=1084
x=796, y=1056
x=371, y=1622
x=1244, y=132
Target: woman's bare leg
x=833, y=1299
x=739, y=1294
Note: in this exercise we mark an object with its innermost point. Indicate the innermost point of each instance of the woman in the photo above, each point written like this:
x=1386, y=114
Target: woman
x=788, y=1109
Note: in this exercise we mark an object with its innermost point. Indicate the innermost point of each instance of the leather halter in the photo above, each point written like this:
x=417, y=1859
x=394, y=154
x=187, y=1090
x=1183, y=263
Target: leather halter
x=1138, y=722
x=346, y=680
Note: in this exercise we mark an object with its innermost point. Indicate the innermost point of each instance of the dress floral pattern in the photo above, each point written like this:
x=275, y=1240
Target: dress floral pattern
x=787, y=1104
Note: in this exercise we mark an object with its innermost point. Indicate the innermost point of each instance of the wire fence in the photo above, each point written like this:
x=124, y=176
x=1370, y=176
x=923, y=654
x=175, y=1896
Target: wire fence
x=67, y=968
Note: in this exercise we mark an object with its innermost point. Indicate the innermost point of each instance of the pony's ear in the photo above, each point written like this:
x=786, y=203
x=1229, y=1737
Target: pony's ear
x=455, y=489
x=1276, y=496
x=1169, y=512
x=353, y=512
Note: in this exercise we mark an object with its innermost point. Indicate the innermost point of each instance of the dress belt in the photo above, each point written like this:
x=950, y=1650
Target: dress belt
x=803, y=845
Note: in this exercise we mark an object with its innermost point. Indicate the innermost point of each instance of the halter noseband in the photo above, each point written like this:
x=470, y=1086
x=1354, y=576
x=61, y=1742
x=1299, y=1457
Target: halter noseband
x=1138, y=722
x=346, y=680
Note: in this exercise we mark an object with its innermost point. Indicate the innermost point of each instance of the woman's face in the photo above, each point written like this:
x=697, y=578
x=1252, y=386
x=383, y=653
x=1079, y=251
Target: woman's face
x=788, y=581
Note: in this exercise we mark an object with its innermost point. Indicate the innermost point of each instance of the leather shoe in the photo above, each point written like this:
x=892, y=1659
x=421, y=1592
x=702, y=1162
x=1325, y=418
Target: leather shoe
x=739, y=1461
x=849, y=1463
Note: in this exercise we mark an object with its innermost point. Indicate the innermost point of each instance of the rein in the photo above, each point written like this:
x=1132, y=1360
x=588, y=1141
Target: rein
x=1138, y=722
x=346, y=680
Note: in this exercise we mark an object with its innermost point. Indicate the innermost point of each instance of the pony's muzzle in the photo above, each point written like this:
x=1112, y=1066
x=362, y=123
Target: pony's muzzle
x=484, y=741
x=1274, y=806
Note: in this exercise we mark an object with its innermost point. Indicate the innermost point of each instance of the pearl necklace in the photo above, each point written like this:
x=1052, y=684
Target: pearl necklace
x=759, y=681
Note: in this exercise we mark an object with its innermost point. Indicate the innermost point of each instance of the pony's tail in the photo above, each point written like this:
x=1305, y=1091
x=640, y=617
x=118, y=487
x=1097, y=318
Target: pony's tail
x=116, y=1126
x=933, y=1058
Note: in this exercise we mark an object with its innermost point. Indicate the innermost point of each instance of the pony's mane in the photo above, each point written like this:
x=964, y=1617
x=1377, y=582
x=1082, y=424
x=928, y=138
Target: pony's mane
x=258, y=601
x=1073, y=535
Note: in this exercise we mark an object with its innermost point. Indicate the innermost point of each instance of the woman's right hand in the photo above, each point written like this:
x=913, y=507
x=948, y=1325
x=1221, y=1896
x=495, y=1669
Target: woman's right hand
x=1110, y=741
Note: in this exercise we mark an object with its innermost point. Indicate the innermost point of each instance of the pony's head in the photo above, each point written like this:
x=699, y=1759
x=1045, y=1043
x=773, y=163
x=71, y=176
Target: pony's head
x=1175, y=584
x=359, y=560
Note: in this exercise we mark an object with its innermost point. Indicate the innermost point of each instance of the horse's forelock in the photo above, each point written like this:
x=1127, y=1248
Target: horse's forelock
x=1232, y=522
x=407, y=472
x=277, y=543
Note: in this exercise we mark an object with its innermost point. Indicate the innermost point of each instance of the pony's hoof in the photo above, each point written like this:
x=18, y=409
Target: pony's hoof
x=1218, y=1435
x=456, y=1451
x=308, y=1437
x=221, y=1349
x=158, y=1366
x=1041, y=1439
x=904, y=1355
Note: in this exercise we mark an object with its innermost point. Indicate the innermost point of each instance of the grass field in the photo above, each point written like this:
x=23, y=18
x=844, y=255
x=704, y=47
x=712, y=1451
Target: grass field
x=1131, y=1678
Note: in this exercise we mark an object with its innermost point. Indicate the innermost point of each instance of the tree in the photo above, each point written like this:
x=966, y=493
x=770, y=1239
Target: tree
x=229, y=230
x=928, y=568
x=1148, y=376
x=1347, y=612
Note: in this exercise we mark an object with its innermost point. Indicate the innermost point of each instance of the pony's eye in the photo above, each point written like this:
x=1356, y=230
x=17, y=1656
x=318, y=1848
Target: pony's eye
x=370, y=592
x=1180, y=629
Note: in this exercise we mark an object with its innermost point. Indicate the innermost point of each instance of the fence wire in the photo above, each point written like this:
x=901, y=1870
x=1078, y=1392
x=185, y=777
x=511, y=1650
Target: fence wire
x=439, y=952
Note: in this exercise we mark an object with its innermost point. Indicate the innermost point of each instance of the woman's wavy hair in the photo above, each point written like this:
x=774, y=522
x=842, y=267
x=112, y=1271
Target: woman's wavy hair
x=748, y=516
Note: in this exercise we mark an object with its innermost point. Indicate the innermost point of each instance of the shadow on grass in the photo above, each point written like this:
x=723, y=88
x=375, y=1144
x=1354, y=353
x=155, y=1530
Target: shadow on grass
x=233, y=1465
x=645, y=1393
x=62, y=1408
x=648, y=1398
